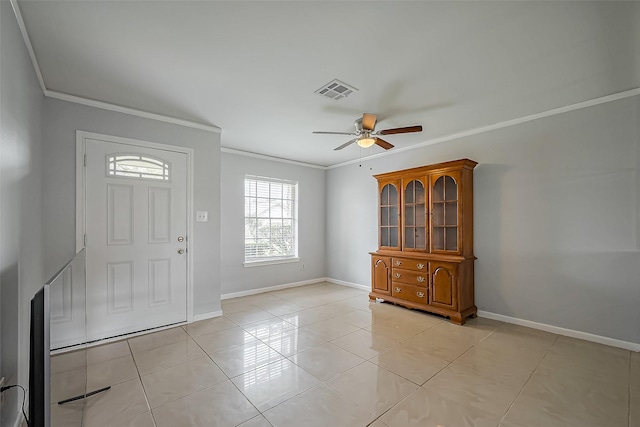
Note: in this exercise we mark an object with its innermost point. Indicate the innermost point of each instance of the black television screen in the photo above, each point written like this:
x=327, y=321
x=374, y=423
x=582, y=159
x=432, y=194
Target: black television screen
x=39, y=361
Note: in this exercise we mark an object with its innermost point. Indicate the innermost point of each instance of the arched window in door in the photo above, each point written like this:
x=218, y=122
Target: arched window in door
x=137, y=166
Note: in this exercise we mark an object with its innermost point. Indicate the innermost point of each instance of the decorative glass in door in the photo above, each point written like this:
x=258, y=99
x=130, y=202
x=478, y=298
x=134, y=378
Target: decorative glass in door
x=415, y=224
x=445, y=214
x=389, y=217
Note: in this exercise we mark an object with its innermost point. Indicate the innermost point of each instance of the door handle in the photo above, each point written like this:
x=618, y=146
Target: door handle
x=180, y=251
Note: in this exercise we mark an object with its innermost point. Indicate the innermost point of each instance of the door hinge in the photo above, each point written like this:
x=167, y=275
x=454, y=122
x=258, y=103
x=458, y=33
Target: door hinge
x=85, y=160
x=85, y=240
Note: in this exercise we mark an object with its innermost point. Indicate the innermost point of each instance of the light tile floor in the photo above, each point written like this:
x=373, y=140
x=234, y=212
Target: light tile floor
x=323, y=355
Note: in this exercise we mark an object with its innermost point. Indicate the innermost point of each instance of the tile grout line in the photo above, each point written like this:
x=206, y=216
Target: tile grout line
x=170, y=367
x=529, y=379
x=380, y=367
x=277, y=332
x=442, y=369
x=261, y=413
x=144, y=390
x=321, y=382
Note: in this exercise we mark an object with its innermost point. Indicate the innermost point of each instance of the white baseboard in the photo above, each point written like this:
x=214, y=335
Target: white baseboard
x=270, y=288
x=349, y=284
x=204, y=316
x=562, y=331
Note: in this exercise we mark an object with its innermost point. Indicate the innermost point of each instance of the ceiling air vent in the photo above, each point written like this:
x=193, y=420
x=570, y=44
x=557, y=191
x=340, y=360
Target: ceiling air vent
x=336, y=90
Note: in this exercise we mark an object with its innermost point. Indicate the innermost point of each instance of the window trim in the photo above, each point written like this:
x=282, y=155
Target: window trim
x=260, y=261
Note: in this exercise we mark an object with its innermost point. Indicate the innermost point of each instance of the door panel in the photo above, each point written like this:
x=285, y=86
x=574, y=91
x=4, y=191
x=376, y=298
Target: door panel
x=119, y=286
x=381, y=270
x=159, y=215
x=159, y=281
x=443, y=286
x=119, y=214
x=136, y=208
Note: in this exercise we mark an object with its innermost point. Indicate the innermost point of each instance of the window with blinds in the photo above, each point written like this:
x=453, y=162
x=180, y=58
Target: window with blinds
x=270, y=223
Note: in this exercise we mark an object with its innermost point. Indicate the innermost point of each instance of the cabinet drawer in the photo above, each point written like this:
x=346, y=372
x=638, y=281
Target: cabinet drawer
x=417, y=278
x=409, y=292
x=410, y=264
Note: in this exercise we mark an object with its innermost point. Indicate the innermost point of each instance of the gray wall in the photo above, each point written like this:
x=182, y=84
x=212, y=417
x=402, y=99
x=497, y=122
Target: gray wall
x=556, y=212
x=311, y=226
x=62, y=119
x=20, y=205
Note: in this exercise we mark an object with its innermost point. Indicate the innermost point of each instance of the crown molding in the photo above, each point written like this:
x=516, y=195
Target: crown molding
x=27, y=41
x=211, y=128
x=130, y=111
x=500, y=125
x=273, y=159
x=90, y=102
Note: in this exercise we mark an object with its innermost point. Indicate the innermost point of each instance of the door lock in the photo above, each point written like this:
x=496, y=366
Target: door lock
x=180, y=239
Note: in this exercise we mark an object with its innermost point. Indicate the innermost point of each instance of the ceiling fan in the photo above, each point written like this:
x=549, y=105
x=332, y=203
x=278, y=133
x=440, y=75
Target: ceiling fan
x=365, y=134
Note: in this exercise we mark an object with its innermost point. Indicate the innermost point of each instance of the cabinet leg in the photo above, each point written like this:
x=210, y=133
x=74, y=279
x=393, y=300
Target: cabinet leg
x=456, y=319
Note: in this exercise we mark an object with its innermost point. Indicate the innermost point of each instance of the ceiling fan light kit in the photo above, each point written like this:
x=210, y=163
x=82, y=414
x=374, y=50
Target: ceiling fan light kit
x=365, y=135
x=366, y=141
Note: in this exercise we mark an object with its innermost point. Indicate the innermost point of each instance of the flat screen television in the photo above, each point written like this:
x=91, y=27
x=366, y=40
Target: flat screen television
x=39, y=361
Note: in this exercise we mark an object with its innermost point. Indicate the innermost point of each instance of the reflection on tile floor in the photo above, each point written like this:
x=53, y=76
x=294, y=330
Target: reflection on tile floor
x=323, y=355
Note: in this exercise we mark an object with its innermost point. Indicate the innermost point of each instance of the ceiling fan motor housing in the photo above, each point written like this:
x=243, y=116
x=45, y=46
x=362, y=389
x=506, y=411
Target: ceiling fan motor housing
x=358, y=124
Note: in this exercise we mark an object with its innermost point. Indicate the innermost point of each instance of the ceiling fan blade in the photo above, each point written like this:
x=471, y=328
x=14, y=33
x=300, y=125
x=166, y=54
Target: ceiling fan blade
x=407, y=129
x=384, y=144
x=344, y=145
x=369, y=121
x=332, y=133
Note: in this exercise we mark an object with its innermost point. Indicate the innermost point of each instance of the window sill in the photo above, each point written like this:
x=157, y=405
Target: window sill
x=270, y=262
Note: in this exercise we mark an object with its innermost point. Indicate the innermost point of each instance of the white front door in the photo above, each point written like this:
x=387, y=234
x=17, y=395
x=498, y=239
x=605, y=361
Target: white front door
x=136, y=224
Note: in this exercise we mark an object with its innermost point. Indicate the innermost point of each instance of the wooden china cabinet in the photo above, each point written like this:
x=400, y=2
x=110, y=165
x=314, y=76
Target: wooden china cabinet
x=425, y=234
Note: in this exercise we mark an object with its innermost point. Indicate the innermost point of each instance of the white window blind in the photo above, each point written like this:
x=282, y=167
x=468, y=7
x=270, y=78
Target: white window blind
x=270, y=223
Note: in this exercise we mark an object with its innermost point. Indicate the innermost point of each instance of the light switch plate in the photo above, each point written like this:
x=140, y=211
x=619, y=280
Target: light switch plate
x=202, y=216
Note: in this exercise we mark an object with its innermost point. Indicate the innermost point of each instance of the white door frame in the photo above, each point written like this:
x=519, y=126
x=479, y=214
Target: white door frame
x=81, y=186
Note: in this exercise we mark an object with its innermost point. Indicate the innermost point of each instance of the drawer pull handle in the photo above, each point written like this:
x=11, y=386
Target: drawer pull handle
x=398, y=263
x=398, y=290
x=398, y=275
x=420, y=294
x=420, y=266
x=420, y=279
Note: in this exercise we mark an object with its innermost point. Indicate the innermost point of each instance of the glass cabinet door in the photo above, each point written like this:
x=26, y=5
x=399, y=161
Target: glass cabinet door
x=444, y=201
x=415, y=216
x=389, y=205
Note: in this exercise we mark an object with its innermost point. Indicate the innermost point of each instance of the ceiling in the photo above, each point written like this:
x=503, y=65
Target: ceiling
x=251, y=68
